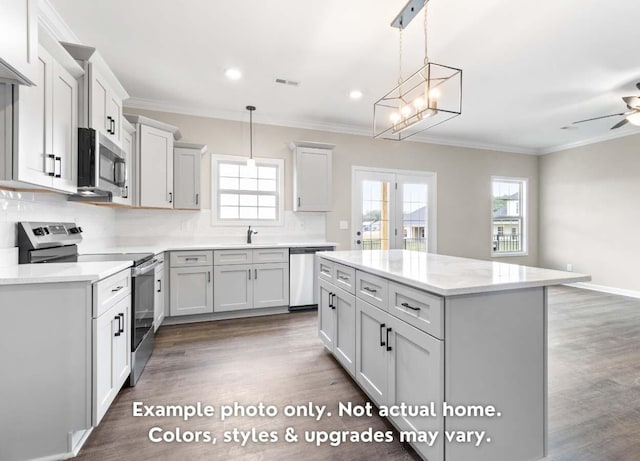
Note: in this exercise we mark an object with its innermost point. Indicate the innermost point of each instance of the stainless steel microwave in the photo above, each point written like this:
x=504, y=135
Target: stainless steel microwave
x=101, y=165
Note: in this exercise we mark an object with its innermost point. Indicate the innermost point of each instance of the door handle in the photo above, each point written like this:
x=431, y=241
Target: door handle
x=121, y=326
x=118, y=318
x=299, y=201
x=113, y=126
x=388, y=345
x=117, y=289
x=170, y=197
x=382, y=343
x=370, y=290
x=333, y=301
x=159, y=285
x=209, y=276
x=49, y=166
x=197, y=198
x=255, y=273
x=249, y=270
x=126, y=192
x=408, y=306
x=57, y=167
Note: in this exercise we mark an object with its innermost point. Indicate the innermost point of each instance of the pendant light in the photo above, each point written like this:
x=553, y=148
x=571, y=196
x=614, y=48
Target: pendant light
x=251, y=163
x=430, y=96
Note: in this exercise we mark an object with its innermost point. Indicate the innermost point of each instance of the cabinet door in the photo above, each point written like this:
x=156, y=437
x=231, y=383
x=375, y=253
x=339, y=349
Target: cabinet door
x=158, y=302
x=186, y=178
x=34, y=135
x=234, y=288
x=105, y=331
x=312, y=180
x=270, y=285
x=19, y=40
x=127, y=154
x=345, y=330
x=416, y=376
x=64, y=129
x=156, y=168
x=99, y=102
x=191, y=290
x=122, y=344
x=371, y=351
x=115, y=112
x=326, y=317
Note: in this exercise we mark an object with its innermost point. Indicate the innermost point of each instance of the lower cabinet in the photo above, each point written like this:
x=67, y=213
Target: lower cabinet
x=251, y=286
x=191, y=290
x=159, y=296
x=397, y=363
x=111, y=355
x=337, y=323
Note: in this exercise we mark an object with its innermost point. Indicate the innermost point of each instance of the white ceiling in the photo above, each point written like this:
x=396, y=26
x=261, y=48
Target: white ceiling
x=530, y=67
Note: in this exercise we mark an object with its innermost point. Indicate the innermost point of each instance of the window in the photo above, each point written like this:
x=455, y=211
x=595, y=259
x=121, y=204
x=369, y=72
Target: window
x=508, y=223
x=242, y=195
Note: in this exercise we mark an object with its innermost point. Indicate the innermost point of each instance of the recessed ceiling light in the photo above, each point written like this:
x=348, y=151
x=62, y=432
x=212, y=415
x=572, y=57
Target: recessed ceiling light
x=233, y=74
x=355, y=94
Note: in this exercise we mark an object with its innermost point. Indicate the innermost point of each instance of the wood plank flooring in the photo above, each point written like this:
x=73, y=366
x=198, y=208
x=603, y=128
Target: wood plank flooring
x=594, y=387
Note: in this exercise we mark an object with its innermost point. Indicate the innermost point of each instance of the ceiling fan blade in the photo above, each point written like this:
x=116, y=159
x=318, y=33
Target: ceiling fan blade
x=632, y=101
x=638, y=85
x=598, y=118
x=622, y=122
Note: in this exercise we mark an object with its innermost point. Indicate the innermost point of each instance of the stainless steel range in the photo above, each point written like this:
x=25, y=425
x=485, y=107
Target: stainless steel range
x=43, y=242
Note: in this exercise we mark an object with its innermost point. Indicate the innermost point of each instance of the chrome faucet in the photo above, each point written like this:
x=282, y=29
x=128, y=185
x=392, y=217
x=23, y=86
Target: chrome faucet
x=250, y=232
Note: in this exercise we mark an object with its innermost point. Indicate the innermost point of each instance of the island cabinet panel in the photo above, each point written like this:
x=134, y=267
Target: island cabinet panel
x=371, y=351
x=345, y=330
x=418, y=308
x=372, y=289
x=325, y=314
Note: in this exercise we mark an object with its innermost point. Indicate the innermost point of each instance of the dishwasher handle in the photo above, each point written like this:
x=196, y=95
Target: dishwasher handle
x=308, y=250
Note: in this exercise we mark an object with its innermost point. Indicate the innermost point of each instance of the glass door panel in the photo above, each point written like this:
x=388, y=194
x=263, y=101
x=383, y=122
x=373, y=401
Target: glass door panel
x=415, y=222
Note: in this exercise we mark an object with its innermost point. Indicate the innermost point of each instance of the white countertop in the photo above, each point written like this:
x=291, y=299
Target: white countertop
x=159, y=248
x=60, y=272
x=449, y=275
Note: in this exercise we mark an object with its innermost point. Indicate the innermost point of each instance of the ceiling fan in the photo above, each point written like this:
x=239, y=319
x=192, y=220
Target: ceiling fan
x=631, y=116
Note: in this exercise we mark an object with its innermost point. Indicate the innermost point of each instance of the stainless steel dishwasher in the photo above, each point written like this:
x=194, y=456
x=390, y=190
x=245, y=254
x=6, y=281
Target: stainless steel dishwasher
x=302, y=278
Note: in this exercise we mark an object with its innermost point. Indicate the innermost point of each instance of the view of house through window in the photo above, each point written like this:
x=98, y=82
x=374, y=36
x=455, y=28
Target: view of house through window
x=508, y=215
x=246, y=193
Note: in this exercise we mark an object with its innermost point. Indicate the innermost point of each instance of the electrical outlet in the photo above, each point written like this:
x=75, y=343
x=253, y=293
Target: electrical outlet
x=569, y=267
x=344, y=225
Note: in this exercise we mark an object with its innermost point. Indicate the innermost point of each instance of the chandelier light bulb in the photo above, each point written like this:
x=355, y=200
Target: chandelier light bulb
x=395, y=118
x=418, y=103
x=406, y=111
x=434, y=93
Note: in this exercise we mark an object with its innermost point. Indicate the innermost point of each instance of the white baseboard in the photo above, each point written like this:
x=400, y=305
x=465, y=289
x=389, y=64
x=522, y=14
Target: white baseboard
x=606, y=289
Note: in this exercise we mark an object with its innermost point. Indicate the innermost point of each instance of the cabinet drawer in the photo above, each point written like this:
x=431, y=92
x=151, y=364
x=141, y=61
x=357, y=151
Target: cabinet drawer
x=108, y=291
x=345, y=278
x=372, y=289
x=326, y=269
x=191, y=258
x=271, y=255
x=418, y=308
x=239, y=256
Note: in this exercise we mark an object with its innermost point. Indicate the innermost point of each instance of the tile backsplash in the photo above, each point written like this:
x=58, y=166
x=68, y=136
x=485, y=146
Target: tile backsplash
x=106, y=227
x=98, y=223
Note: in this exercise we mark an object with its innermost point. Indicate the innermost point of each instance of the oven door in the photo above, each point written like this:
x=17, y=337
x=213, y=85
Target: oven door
x=143, y=302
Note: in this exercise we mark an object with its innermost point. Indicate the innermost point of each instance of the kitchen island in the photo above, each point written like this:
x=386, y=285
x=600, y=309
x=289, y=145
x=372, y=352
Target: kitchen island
x=420, y=329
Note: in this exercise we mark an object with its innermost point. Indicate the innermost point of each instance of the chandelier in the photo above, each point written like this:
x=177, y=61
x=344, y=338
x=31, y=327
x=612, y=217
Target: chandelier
x=427, y=98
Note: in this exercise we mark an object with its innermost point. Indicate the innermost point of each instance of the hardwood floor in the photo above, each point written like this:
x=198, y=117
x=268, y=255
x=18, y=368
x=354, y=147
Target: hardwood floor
x=594, y=387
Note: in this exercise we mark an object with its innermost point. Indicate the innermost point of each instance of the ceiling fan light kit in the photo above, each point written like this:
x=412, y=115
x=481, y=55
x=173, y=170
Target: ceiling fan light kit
x=632, y=116
x=430, y=96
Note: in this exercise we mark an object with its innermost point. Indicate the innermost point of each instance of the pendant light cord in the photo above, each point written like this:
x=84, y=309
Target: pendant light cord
x=426, y=48
x=251, y=134
x=400, y=54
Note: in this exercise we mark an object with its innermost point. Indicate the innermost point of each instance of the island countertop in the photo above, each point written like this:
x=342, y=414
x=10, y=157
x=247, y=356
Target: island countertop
x=450, y=275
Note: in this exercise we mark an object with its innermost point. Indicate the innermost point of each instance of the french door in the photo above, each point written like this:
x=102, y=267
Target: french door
x=393, y=210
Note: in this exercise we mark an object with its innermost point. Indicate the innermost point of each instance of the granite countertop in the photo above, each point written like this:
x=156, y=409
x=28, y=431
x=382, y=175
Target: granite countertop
x=19, y=274
x=449, y=275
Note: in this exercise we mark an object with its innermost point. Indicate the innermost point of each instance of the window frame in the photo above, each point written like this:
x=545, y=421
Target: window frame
x=215, y=192
x=522, y=217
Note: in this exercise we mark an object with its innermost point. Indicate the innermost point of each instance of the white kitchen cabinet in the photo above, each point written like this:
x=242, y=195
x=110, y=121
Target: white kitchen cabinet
x=105, y=105
x=159, y=293
x=312, y=176
x=186, y=175
x=128, y=152
x=337, y=323
x=242, y=285
x=326, y=318
x=191, y=290
x=45, y=118
x=19, y=40
x=153, y=163
x=270, y=285
x=371, y=351
x=234, y=287
x=111, y=351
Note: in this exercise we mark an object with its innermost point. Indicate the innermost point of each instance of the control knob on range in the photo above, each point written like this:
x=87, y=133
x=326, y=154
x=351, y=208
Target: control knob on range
x=38, y=231
x=75, y=230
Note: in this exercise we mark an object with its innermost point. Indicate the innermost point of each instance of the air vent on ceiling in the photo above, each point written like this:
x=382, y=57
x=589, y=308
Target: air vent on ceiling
x=284, y=81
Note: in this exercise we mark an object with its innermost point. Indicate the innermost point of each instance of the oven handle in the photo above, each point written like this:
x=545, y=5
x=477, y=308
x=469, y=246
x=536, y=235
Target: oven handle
x=137, y=271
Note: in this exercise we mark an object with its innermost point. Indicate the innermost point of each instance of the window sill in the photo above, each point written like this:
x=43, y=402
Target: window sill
x=509, y=255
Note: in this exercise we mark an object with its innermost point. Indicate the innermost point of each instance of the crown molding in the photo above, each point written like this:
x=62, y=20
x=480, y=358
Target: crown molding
x=585, y=142
x=50, y=19
x=160, y=106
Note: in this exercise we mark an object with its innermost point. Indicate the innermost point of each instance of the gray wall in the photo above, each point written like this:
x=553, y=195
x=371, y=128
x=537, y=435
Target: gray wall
x=590, y=213
x=464, y=176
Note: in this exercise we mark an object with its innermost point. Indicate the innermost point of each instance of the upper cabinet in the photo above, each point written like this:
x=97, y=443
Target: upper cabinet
x=186, y=175
x=312, y=176
x=44, y=123
x=101, y=93
x=19, y=41
x=128, y=153
x=153, y=163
